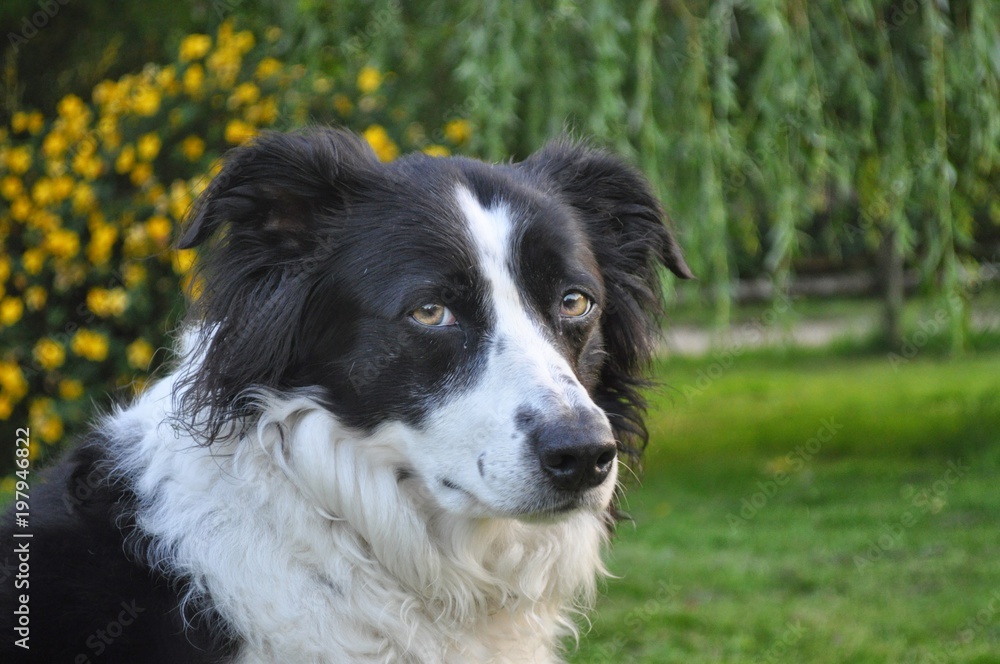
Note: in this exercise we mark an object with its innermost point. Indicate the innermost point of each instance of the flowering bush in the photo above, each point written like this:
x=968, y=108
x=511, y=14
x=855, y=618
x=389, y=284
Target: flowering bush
x=89, y=283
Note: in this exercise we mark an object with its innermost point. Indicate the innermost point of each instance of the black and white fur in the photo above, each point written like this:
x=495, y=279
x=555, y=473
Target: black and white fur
x=325, y=478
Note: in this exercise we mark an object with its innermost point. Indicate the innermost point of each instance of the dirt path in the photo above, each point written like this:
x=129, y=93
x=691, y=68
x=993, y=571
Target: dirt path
x=693, y=340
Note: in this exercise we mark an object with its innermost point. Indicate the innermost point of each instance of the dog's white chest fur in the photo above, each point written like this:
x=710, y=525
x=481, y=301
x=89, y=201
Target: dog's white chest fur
x=351, y=566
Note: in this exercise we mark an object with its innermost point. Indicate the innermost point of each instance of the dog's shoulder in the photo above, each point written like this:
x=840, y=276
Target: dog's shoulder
x=76, y=578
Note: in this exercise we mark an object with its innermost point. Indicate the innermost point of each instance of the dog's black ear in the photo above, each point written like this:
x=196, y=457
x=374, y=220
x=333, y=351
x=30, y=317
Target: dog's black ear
x=268, y=189
x=629, y=235
x=270, y=221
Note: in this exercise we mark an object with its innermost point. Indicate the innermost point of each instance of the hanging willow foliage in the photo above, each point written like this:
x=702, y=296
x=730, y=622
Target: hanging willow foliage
x=775, y=130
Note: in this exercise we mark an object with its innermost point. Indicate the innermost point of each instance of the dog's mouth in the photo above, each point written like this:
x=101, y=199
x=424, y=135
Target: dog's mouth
x=544, y=507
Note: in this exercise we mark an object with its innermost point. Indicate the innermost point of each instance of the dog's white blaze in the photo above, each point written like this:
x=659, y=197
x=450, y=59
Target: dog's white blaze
x=492, y=234
x=472, y=454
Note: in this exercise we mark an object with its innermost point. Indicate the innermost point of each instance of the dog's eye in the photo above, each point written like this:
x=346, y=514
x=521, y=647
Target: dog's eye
x=433, y=315
x=575, y=305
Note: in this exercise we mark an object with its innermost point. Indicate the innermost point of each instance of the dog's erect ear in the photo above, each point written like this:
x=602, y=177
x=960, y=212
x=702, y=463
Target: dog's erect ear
x=268, y=188
x=616, y=200
x=273, y=214
x=628, y=234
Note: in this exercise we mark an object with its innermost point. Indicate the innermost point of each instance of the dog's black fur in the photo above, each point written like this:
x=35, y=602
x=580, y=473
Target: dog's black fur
x=288, y=302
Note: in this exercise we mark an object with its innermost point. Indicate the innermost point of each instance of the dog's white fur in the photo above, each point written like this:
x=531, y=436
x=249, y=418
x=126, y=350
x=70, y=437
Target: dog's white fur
x=307, y=542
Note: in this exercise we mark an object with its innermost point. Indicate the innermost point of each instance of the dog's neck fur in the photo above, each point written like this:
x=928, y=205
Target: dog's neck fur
x=314, y=547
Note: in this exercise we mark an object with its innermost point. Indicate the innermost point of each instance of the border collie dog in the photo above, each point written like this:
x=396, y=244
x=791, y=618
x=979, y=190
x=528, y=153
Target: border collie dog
x=393, y=428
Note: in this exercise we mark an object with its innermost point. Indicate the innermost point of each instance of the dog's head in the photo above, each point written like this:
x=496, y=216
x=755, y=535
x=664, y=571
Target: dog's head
x=496, y=317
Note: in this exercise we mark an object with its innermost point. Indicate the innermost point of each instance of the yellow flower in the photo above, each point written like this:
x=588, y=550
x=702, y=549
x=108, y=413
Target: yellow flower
x=193, y=147
x=49, y=428
x=134, y=274
x=156, y=196
x=89, y=166
x=379, y=140
x=19, y=122
x=268, y=110
x=458, y=131
x=104, y=92
x=69, y=275
x=238, y=131
x=139, y=353
x=49, y=354
x=71, y=107
x=6, y=409
x=166, y=77
x=90, y=345
x=145, y=100
x=84, y=198
x=437, y=151
x=148, y=146
x=19, y=160
x=35, y=297
x=62, y=187
x=225, y=64
x=4, y=268
x=243, y=41
x=36, y=122
x=194, y=78
x=192, y=285
x=179, y=199
x=158, y=229
x=194, y=47
x=70, y=389
x=141, y=174
x=245, y=93
x=264, y=113
x=102, y=241
x=107, y=130
x=11, y=309
x=107, y=302
x=42, y=193
x=273, y=33
x=136, y=243
x=183, y=260
x=44, y=221
x=343, y=104
x=322, y=85
x=62, y=243
x=33, y=260
x=11, y=187
x=369, y=80
x=125, y=159
x=20, y=209
x=55, y=144
x=12, y=380
x=267, y=68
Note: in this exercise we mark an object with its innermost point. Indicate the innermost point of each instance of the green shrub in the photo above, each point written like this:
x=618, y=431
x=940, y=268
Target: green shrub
x=90, y=285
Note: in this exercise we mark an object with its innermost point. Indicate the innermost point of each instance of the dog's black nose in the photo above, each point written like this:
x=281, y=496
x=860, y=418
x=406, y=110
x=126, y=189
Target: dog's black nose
x=575, y=456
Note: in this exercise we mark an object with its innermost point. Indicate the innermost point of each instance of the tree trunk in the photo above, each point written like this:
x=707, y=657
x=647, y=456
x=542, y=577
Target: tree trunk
x=890, y=269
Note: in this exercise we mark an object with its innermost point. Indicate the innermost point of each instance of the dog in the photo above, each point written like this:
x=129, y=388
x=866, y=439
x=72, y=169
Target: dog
x=392, y=428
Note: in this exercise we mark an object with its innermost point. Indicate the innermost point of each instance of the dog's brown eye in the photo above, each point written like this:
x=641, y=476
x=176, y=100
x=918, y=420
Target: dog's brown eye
x=433, y=315
x=575, y=305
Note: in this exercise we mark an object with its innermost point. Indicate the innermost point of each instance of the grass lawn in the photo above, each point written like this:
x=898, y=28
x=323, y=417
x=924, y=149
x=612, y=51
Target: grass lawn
x=812, y=509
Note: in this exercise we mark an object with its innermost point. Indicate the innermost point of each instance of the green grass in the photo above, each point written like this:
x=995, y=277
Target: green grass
x=752, y=543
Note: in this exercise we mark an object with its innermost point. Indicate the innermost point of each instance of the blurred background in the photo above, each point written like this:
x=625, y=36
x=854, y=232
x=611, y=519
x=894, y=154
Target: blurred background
x=821, y=479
